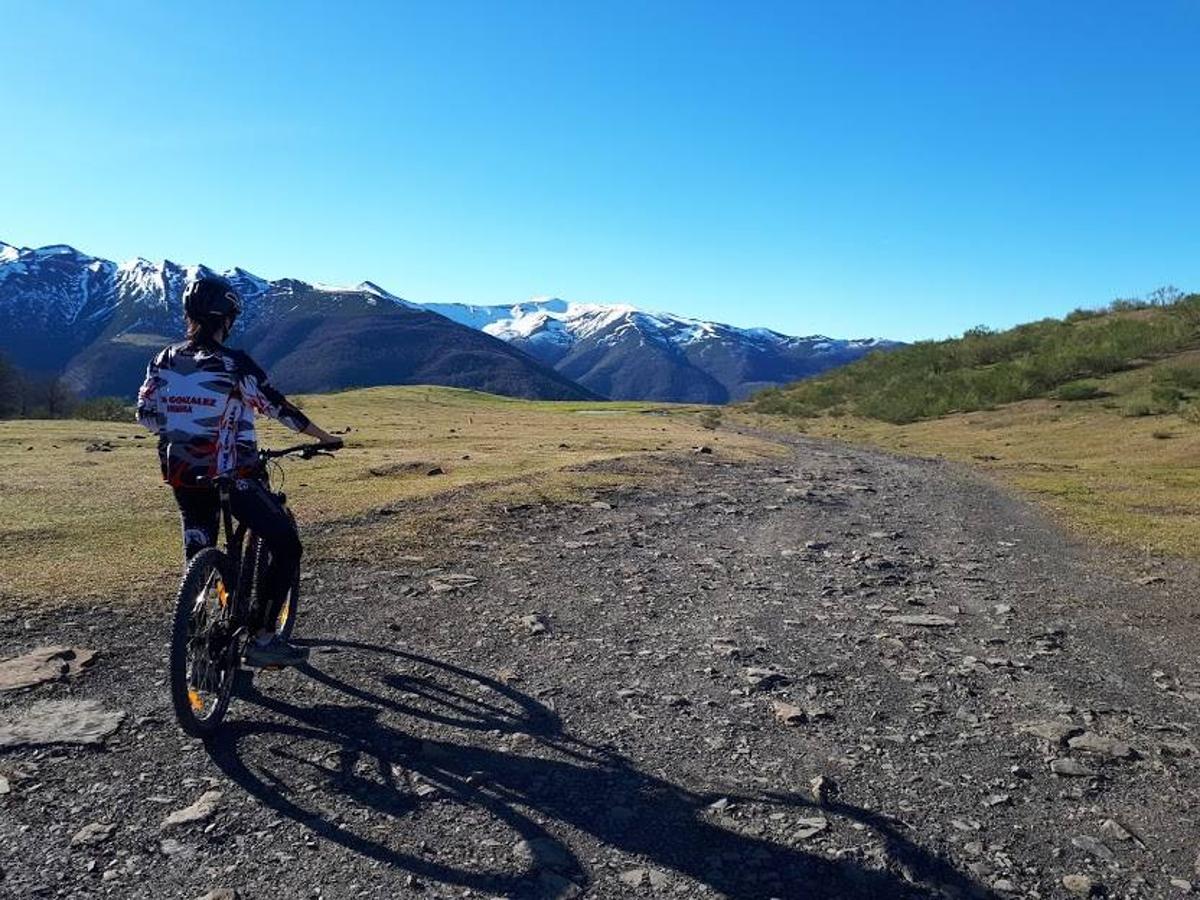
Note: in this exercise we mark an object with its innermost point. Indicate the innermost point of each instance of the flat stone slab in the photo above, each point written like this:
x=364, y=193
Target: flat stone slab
x=1052, y=730
x=1070, y=768
x=59, y=722
x=42, y=665
x=200, y=811
x=787, y=714
x=1090, y=742
x=451, y=581
x=655, y=878
x=806, y=828
x=923, y=620
x=542, y=853
x=93, y=834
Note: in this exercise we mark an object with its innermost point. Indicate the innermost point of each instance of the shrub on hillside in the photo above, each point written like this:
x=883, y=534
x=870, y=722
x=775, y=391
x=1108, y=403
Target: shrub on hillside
x=987, y=368
x=1127, y=305
x=1184, y=377
x=1135, y=409
x=1078, y=390
x=104, y=409
x=1166, y=397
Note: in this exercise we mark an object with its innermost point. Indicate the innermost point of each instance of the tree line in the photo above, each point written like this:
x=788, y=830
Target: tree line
x=27, y=396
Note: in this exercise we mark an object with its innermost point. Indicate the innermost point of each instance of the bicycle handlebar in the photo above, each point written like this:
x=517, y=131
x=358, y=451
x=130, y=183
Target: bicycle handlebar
x=304, y=451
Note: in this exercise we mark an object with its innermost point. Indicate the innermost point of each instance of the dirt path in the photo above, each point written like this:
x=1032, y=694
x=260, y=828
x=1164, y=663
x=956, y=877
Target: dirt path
x=442, y=744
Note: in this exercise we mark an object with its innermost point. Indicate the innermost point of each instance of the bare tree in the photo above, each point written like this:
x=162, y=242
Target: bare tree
x=1165, y=295
x=10, y=390
x=58, y=398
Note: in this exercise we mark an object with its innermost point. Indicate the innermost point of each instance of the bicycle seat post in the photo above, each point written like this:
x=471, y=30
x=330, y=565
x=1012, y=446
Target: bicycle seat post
x=224, y=484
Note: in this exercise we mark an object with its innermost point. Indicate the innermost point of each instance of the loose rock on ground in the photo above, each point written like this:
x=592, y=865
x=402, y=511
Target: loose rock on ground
x=988, y=707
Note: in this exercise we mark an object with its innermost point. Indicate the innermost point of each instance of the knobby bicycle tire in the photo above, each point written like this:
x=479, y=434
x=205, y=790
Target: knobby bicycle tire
x=198, y=716
x=285, y=622
x=248, y=576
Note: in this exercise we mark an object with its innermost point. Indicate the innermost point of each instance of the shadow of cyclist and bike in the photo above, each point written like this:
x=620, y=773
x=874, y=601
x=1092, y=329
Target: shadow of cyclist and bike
x=368, y=767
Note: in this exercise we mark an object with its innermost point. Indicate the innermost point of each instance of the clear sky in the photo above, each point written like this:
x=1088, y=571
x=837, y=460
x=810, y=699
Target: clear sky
x=904, y=169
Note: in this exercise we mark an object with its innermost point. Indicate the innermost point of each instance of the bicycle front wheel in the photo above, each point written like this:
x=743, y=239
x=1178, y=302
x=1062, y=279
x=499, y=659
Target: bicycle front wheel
x=203, y=653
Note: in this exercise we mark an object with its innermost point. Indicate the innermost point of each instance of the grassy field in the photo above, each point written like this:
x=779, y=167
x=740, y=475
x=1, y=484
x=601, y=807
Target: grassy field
x=1116, y=466
x=100, y=525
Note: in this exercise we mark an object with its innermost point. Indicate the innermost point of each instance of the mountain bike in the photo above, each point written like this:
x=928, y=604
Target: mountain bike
x=219, y=604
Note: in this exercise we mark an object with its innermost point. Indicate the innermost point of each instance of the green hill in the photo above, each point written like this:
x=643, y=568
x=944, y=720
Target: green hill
x=984, y=368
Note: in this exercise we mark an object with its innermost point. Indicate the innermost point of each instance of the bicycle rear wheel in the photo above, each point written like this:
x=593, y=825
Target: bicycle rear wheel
x=203, y=652
x=285, y=622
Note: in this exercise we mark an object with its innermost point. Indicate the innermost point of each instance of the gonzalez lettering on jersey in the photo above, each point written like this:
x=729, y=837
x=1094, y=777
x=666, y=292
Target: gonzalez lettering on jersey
x=200, y=399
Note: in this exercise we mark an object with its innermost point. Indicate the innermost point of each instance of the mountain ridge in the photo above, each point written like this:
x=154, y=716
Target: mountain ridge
x=626, y=352
x=94, y=324
x=56, y=302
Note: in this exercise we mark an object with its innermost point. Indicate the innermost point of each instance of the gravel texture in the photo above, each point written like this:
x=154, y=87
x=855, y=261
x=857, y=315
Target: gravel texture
x=837, y=674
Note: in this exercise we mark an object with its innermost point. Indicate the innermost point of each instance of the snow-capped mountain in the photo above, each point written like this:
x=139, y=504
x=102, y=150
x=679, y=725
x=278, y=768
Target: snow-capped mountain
x=63, y=312
x=97, y=323
x=627, y=353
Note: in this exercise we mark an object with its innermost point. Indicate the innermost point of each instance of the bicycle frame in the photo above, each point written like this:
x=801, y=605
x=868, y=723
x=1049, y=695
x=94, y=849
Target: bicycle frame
x=235, y=534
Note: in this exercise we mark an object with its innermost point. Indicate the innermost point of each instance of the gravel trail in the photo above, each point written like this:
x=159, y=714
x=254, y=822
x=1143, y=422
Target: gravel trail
x=836, y=674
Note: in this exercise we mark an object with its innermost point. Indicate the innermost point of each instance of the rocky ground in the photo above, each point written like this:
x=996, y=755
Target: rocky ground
x=838, y=674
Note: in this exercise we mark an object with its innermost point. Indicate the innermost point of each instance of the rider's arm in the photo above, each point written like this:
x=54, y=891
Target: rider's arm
x=264, y=398
x=149, y=415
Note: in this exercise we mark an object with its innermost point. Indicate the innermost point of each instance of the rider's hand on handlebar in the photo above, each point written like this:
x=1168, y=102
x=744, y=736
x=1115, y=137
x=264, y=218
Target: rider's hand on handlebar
x=314, y=430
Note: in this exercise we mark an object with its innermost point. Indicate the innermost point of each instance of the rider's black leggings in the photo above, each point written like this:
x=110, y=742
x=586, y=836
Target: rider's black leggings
x=254, y=505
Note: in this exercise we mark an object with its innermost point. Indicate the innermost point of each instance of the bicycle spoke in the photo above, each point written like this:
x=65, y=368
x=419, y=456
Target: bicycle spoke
x=205, y=669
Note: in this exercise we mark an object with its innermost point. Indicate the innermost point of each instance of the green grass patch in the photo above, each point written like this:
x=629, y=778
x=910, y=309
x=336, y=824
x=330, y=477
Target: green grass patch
x=1078, y=390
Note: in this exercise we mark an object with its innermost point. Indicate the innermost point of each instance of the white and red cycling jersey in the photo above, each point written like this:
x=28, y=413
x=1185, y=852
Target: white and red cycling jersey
x=200, y=399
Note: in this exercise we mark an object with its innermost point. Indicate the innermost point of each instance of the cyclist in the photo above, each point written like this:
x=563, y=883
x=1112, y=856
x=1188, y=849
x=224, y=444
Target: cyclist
x=200, y=398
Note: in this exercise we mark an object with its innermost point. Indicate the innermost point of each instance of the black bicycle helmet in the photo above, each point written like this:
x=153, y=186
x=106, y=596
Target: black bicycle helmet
x=210, y=297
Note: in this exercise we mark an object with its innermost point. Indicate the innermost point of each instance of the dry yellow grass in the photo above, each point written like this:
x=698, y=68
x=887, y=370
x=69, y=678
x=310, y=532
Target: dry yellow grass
x=101, y=525
x=1131, y=480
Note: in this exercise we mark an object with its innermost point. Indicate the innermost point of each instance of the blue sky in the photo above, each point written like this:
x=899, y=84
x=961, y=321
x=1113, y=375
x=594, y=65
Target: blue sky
x=904, y=169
